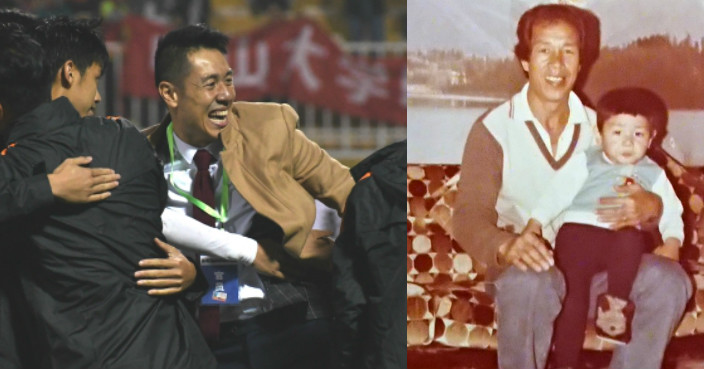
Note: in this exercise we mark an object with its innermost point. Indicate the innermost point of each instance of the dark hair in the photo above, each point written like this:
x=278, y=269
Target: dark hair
x=633, y=101
x=72, y=39
x=28, y=22
x=549, y=13
x=24, y=77
x=171, y=61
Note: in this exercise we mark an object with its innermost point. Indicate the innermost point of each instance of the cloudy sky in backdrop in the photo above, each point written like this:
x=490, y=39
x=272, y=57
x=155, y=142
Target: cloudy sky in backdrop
x=487, y=27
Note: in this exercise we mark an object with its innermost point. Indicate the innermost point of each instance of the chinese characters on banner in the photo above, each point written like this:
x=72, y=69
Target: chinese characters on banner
x=296, y=60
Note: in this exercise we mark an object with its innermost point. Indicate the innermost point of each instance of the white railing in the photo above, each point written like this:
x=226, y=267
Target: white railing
x=345, y=137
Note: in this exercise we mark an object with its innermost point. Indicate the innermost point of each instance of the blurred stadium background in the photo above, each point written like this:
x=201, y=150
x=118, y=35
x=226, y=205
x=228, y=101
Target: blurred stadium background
x=340, y=63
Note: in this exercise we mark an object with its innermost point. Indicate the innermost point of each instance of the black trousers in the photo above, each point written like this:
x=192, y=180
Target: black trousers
x=581, y=251
x=279, y=339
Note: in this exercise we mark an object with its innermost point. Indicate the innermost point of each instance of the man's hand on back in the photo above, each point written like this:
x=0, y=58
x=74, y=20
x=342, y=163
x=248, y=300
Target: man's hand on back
x=173, y=274
x=72, y=182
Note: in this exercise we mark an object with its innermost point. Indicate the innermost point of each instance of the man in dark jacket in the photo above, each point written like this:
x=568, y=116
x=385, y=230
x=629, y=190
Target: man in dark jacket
x=77, y=262
x=69, y=182
x=368, y=265
x=76, y=56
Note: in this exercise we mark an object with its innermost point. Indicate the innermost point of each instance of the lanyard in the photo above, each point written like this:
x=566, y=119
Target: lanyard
x=220, y=216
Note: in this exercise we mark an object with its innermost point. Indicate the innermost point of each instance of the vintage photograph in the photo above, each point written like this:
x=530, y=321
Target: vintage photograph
x=555, y=184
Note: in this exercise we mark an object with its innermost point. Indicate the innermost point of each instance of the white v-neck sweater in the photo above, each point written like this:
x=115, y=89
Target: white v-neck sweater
x=506, y=166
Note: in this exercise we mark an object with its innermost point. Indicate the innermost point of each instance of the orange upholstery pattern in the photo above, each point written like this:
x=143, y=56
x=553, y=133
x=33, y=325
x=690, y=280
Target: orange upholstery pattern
x=447, y=302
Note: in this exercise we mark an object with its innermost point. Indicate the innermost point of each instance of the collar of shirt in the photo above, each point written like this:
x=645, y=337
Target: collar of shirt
x=520, y=110
x=45, y=118
x=188, y=151
x=611, y=162
x=239, y=212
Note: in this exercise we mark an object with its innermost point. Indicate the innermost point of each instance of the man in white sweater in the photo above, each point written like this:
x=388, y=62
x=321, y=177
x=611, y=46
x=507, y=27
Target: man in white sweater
x=510, y=157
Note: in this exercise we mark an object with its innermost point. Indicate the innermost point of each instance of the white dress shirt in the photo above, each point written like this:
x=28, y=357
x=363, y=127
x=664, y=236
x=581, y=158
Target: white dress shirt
x=187, y=233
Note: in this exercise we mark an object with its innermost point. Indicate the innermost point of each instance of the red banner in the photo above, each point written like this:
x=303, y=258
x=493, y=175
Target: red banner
x=295, y=60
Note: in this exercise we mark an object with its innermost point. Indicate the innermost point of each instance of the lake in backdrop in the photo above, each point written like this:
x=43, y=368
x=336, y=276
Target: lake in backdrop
x=436, y=135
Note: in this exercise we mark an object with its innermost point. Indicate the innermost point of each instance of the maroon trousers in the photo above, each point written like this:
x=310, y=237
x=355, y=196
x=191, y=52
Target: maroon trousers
x=581, y=251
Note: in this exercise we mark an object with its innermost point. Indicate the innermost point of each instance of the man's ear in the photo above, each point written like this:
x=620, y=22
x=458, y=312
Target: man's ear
x=525, y=65
x=168, y=93
x=68, y=74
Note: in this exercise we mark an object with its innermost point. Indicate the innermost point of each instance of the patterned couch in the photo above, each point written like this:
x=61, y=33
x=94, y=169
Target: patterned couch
x=447, y=304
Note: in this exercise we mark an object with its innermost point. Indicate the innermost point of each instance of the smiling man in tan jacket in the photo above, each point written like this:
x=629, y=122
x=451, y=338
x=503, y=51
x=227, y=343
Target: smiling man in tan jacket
x=273, y=174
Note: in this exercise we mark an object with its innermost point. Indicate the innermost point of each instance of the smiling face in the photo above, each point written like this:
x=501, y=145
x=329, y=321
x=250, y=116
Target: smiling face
x=553, y=63
x=625, y=138
x=203, y=98
x=83, y=93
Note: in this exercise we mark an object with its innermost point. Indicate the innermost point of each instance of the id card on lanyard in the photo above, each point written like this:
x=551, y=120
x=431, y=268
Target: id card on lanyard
x=222, y=275
x=223, y=281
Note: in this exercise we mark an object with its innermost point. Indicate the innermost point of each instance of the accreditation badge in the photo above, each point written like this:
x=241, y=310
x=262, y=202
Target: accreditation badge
x=222, y=276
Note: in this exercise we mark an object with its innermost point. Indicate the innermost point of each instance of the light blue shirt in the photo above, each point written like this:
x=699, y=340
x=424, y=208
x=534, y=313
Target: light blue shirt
x=572, y=195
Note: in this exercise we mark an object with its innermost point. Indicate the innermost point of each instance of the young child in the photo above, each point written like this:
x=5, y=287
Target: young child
x=628, y=119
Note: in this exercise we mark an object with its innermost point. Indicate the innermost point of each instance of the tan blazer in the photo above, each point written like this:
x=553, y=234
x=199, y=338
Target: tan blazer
x=278, y=171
